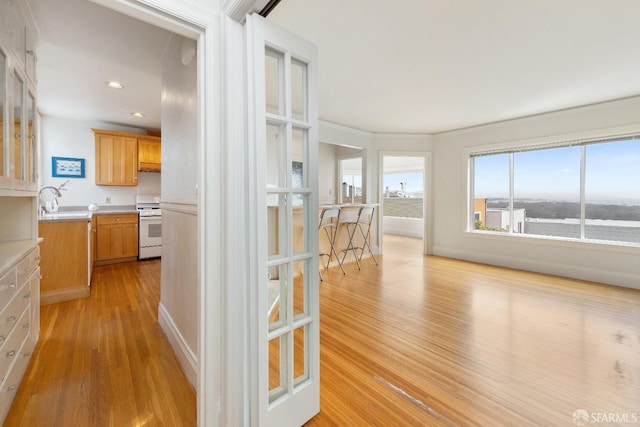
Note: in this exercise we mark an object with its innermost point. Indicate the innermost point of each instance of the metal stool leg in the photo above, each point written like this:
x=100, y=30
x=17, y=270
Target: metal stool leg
x=329, y=222
x=368, y=212
x=351, y=232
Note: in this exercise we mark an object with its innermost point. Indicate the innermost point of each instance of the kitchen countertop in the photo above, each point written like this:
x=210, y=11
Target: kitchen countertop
x=77, y=213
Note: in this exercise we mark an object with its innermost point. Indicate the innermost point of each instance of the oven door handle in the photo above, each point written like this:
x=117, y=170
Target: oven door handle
x=150, y=218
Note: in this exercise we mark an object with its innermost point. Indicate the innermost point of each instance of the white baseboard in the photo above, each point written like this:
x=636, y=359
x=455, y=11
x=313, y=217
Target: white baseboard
x=186, y=357
x=576, y=272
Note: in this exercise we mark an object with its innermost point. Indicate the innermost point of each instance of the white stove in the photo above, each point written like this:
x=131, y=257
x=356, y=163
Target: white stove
x=150, y=226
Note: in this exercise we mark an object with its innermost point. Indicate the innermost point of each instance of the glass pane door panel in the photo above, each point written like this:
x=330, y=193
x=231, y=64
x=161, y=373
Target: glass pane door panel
x=277, y=369
x=299, y=232
x=299, y=156
x=18, y=100
x=3, y=104
x=300, y=354
x=276, y=140
x=298, y=90
x=30, y=142
x=300, y=289
x=277, y=296
x=274, y=77
x=276, y=224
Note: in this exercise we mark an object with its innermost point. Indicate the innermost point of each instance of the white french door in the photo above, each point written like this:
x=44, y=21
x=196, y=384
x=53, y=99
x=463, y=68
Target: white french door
x=283, y=139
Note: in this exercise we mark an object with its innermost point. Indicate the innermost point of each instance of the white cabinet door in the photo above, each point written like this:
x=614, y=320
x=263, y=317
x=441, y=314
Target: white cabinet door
x=283, y=130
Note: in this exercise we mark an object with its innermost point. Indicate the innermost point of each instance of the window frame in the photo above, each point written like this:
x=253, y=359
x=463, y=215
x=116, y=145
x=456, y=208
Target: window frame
x=581, y=139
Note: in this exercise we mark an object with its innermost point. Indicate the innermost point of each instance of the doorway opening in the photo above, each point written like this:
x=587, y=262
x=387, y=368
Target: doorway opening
x=403, y=199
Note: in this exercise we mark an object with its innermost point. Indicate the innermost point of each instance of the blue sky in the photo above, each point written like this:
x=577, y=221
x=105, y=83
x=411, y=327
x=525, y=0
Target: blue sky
x=612, y=173
x=414, y=181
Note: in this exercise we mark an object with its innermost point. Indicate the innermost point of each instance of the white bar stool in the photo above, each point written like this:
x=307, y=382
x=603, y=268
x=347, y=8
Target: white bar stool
x=329, y=221
x=360, y=219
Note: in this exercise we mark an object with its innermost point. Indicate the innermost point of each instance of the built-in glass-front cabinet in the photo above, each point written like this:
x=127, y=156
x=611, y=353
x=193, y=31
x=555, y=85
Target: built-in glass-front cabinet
x=18, y=169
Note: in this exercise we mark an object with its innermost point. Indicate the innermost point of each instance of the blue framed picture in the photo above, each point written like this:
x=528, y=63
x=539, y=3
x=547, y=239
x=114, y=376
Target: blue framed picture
x=67, y=167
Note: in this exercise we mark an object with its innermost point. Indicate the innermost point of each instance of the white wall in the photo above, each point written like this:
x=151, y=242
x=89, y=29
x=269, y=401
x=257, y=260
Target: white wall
x=602, y=263
x=178, y=313
x=327, y=167
x=61, y=137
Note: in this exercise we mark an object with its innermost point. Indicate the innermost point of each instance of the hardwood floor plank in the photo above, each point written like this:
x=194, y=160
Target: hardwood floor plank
x=472, y=344
x=104, y=361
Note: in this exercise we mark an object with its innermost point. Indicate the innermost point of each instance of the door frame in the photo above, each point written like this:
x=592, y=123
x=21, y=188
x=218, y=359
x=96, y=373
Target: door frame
x=222, y=139
x=427, y=201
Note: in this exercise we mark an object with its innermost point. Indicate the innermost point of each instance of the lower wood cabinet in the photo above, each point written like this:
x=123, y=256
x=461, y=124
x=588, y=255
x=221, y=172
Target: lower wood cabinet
x=116, y=237
x=65, y=260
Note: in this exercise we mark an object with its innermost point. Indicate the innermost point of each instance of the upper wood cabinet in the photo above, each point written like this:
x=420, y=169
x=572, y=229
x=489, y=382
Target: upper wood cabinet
x=116, y=158
x=149, y=153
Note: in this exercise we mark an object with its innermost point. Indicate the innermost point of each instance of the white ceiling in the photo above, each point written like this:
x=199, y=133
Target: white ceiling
x=427, y=66
x=409, y=66
x=83, y=45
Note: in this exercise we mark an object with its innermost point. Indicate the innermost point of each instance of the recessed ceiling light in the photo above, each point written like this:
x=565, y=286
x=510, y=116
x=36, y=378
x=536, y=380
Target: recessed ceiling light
x=136, y=114
x=114, y=85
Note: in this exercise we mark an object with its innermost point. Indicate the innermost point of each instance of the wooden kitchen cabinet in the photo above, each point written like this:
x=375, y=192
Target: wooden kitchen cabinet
x=116, y=237
x=116, y=158
x=149, y=153
x=93, y=247
x=65, y=260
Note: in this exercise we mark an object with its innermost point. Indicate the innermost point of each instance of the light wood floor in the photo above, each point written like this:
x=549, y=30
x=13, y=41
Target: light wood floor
x=104, y=361
x=434, y=341
x=415, y=341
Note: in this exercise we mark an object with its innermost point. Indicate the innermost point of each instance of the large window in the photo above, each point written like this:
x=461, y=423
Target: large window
x=588, y=191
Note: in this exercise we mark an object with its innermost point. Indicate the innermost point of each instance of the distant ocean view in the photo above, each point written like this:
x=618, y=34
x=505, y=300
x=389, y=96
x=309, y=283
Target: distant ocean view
x=564, y=209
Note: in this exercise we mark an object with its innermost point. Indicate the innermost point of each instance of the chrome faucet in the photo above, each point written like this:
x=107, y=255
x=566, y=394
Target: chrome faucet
x=57, y=191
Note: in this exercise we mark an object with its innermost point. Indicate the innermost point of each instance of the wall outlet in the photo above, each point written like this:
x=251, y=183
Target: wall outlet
x=107, y=199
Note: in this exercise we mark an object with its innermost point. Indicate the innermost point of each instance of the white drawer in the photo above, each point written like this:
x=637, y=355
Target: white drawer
x=8, y=287
x=13, y=312
x=11, y=349
x=23, y=270
x=9, y=387
x=34, y=258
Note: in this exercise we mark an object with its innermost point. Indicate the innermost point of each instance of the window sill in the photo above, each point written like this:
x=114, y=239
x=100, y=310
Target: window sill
x=624, y=247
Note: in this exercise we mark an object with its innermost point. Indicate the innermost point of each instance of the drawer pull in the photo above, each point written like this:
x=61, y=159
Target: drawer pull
x=27, y=296
x=37, y=258
x=2, y=338
x=11, y=353
x=12, y=387
x=26, y=326
x=27, y=354
x=11, y=319
x=11, y=286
